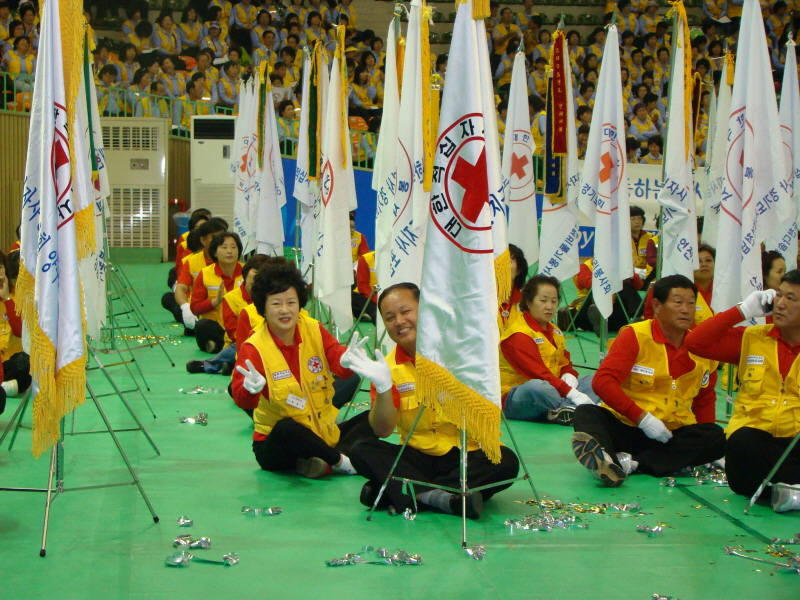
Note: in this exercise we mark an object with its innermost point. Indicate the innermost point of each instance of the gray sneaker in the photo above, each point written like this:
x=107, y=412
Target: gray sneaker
x=785, y=497
x=561, y=415
x=589, y=453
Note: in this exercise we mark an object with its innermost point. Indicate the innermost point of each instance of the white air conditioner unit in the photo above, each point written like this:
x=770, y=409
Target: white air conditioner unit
x=211, y=151
x=136, y=157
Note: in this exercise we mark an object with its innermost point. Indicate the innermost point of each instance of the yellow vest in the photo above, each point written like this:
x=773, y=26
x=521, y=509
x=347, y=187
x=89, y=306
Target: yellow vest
x=652, y=388
x=369, y=258
x=432, y=435
x=315, y=386
x=15, y=63
x=640, y=252
x=197, y=262
x=355, y=244
x=552, y=355
x=703, y=311
x=765, y=401
x=219, y=46
x=140, y=44
x=190, y=108
x=649, y=160
x=236, y=302
x=192, y=32
x=503, y=30
x=514, y=313
x=213, y=282
x=9, y=343
x=538, y=136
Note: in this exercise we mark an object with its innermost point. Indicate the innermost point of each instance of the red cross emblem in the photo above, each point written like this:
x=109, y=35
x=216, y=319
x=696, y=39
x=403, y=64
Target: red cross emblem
x=315, y=364
x=518, y=164
x=474, y=180
x=608, y=164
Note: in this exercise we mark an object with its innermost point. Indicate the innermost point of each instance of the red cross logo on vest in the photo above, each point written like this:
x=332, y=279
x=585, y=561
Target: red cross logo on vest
x=315, y=364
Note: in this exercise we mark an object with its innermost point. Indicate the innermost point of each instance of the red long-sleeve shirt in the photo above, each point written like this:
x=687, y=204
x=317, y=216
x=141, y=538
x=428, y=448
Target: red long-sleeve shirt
x=13, y=318
x=230, y=319
x=651, y=252
x=185, y=275
x=584, y=280
x=243, y=330
x=363, y=278
x=717, y=338
x=616, y=367
x=246, y=400
x=201, y=303
x=523, y=354
x=648, y=302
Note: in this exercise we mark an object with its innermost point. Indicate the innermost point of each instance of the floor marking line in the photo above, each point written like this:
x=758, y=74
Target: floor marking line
x=740, y=524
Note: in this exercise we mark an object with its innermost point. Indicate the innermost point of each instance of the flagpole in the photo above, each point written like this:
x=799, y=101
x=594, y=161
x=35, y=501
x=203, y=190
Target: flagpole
x=297, y=203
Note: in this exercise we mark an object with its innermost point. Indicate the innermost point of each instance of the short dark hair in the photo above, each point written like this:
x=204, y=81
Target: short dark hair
x=707, y=248
x=108, y=70
x=411, y=287
x=214, y=225
x=522, y=265
x=582, y=110
x=658, y=141
x=637, y=211
x=664, y=285
x=276, y=279
x=219, y=239
x=257, y=261
x=201, y=214
x=767, y=258
x=586, y=86
x=531, y=288
x=792, y=277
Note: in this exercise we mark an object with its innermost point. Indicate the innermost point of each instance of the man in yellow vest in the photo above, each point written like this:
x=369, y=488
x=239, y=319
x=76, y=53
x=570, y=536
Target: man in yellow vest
x=432, y=453
x=178, y=302
x=284, y=374
x=766, y=416
x=639, y=241
x=366, y=280
x=659, y=399
x=358, y=243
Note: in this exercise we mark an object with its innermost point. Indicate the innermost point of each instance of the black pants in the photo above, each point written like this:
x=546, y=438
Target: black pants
x=358, y=303
x=751, y=455
x=344, y=390
x=628, y=302
x=172, y=278
x=18, y=367
x=289, y=440
x=690, y=445
x=169, y=303
x=373, y=458
x=208, y=332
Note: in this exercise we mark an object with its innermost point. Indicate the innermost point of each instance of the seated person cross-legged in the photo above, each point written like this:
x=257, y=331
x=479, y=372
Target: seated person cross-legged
x=766, y=415
x=659, y=400
x=536, y=375
x=432, y=453
x=284, y=373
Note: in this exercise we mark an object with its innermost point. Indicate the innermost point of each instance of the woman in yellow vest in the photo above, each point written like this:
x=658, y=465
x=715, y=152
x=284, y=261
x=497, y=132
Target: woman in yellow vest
x=537, y=379
x=190, y=29
x=538, y=123
x=197, y=218
x=358, y=243
x=166, y=38
x=284, y=373
x=15, y=368
x=366, y=281
x=659, y=400
x=432, y=453
x=209, y=289
x=508, y=311
x=766, y=415
x=215, y=40
x=141, y=36
x=198, y=241
x=21, y=63
x=127, y=65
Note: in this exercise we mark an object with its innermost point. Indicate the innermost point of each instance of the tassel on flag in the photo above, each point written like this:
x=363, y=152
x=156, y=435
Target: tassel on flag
x=520, y=192
x=457, y=359
x=755, y=193
x=784, y=238
x=676, y=197
x=603, y=195
x=53, y=236
x=558, y=255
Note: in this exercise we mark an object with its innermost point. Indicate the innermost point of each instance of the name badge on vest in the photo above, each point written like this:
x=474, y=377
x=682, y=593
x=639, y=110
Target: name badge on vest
x=538, y=340
x=642, y=370
x=755, y=360
x=698, y=307
x=642, y=251
x=278, y=375
x=406, y=387
x=706, y=377
x=296, y=401
x=213, y=288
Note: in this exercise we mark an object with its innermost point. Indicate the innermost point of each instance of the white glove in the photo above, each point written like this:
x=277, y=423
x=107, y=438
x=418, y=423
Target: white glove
x=189, y=320
x=755, y=305
x=578, y=398
x=254, y=381
x=377, y=371
x=570, y=380
x=655, y=429
x=641, y=272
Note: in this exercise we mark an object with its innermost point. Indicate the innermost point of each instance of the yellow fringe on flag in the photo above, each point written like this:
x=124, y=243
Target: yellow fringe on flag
x=340, y=32
x=688, y=81
x=400, y=59
x=434, y=129
x=425, y=59
x=480, y=9
x=502, y=276
x=316, y=65
x=731, y=66
x=59, y=393
x=441, y=392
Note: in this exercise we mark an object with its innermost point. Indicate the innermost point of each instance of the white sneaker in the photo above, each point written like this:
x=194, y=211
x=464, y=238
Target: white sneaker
x=785, y=497
x=11, y=388
x=627, y=463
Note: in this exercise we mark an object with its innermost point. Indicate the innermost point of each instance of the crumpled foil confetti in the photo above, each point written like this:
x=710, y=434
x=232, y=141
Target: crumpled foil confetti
x=409, y=515
x=660, y=597
x=703, y=475
x=792, y=560
x=650, y=531
x=382, y=557
x=203, y=543
x=794, y=540
x=201, y=419
x=602, y=508
x=545, y=522
x=199, y=389
x=259, y=512
x=182, y=558
x=476, y=552
x=185, y=522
